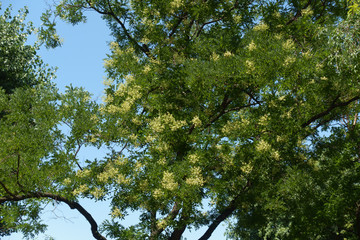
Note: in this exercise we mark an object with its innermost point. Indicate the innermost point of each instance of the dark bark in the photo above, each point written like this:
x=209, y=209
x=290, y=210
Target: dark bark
x=328, y=110
x=224, y=214
x=177, y=233
x=173, y=213
x=71, y=204
x=357, y=220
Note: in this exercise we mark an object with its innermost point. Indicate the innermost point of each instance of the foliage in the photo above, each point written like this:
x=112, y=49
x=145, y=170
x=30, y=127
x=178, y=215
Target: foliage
x=35, y=155
x=19, y=67
x=213, y=109
x=19, y=64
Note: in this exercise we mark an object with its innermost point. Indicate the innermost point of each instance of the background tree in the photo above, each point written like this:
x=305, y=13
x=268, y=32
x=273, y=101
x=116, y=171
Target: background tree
x=19, y=67
x=35, y=155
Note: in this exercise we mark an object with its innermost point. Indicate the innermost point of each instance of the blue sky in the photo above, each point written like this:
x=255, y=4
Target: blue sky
x=80, y=63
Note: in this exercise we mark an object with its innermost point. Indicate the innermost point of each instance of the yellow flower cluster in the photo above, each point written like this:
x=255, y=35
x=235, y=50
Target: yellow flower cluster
x=277, y=14
x=246, y=168
x=158, y=193
x=97, y=193
x=120, y=161
x=162, y=161
x=288, y=44
x=82, y=188
x=116, y=213
x=324, y=78
x=263, y=146
x=196, y=121
x=121, y=179
x=250, y=65
x=67, y=181
x=162, y=223
x=214, y=57
x=193, y=158
x=228, y=54
x=133, y=92
x=158, y=124
x=162, y=146
x=237, y=19
x=263, y=120
x=275, y=155
x=175, y=4
x=147, y=69
x=168, y=181
x=307, y=11
x=109, y=172
x=83, y=173
x=261, y=27
x=196, y=178
x=289, y=60
x=230, y=128
x=251, y=46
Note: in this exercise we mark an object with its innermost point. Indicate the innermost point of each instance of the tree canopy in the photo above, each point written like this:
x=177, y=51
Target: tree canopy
x=236, y=111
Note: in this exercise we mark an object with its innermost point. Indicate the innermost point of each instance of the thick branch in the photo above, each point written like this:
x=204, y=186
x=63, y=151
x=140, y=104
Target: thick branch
x=111, y=13
x=224, y=214
x=6, y=189
x=173, y=30
x=71, y=204
x=177, y=233
x=223, y=110
x=143, y=48
x=214, y=20
x=327, y=111
x=357, y=220
x=173, y=213
x=298, y=14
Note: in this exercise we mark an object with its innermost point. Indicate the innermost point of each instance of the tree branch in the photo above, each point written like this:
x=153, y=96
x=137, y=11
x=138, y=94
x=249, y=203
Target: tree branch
x=224, y=214
x=173, y=213
x=144, y=48
x=215, y=20
x=6, y=189
x=327, y=111
x=177, y=233
x=298, y=13
x=173, y=30
x=71, y=204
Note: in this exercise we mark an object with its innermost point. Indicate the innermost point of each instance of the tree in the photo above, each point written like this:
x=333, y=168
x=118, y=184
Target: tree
x=216, y=110
x=19, y=67
x=33, y=150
